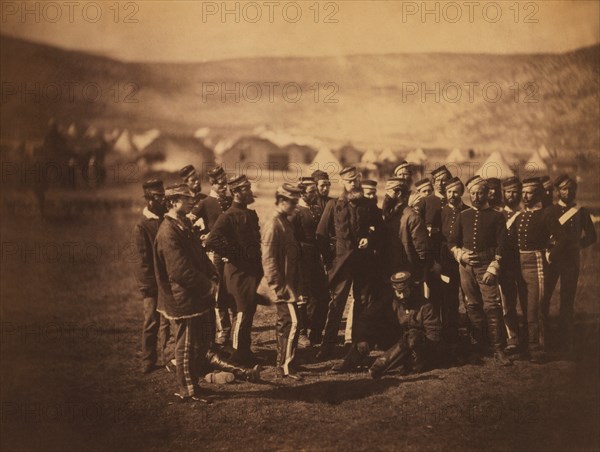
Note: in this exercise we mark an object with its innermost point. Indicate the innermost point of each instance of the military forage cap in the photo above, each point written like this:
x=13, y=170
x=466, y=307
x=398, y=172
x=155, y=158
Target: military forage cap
x=216, y=174
x=475, y=180
x=494, y=182
x=369, y=183
x=318, y=175
x=289, y=191
x=402, y=168
x=511, y=182
x=400, y=279
x=442, y=170
x=178, y=190
x=349, y=173
x=153, y=186
x=546, y=182
x=395, y=183
x=454, y=182
x=563, y=180
x=305, y=180
x=238, y=182
x=422, y=183
x=532, y=182
x=186, y=171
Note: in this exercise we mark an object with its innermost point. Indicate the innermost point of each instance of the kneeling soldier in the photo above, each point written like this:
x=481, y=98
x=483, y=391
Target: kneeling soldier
x=281, y=263
x=420, y=330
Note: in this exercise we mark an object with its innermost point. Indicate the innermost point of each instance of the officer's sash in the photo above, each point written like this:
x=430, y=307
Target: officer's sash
x=511, y=220
x=568, y=215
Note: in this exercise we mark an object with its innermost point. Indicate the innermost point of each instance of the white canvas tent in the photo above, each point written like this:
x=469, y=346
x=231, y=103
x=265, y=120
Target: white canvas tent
x=416, y=157
x=143, y=140
x=456, y=156
x=495, y=166
x=326, y=161
x=369, y=157
x=388, y=156
x=543, y=152
x=124, y=144
x=536, y=163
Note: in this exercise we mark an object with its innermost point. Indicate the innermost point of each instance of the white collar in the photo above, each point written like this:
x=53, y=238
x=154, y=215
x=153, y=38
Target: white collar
x=439, y=195
x=302, y=203
x=150, y=215
x=213, y=194
x=509, y=210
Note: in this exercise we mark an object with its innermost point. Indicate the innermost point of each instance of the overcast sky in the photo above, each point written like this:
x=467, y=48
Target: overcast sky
x=197, y=31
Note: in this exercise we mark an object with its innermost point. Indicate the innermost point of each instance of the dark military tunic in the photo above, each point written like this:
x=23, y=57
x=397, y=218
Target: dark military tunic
x=210, y=208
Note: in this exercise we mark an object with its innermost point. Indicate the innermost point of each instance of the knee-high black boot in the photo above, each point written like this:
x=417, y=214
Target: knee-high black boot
x=393, y=357
x=218, y=361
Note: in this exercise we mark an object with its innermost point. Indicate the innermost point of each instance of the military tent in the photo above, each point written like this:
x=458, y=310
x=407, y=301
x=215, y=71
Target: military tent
x=495, y=166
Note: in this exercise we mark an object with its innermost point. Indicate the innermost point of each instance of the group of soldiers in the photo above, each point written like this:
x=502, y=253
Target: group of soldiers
x=202, y=259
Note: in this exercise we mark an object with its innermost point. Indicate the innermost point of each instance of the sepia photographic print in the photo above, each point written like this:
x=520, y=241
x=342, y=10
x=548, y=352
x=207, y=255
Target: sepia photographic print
x=300, y=225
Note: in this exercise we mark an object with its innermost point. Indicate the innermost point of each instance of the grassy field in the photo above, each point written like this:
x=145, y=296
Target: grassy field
x=71, y=319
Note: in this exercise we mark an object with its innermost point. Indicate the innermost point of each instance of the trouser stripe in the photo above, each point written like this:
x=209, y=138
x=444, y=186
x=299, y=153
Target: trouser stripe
x=289, y=352
x=186, y=358
x=236, y=330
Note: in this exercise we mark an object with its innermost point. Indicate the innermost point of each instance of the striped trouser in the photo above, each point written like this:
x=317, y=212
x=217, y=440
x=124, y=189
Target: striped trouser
x=533, y=270
x=193, y=338
x=287, y=334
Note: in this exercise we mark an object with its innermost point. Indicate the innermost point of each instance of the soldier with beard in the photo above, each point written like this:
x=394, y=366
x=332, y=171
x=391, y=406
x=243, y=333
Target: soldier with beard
x=236, y=237
x=321, y=178
x=191, y=178
x=354, y=223
x=156, y=329
x=535, y=232
x=510, y=286
x=314, y=294
x=579, y=233
x=404, y=171
x=449, y=275
x=477, y=243
x=419, y=324
x=495, y=193
x=209, y=210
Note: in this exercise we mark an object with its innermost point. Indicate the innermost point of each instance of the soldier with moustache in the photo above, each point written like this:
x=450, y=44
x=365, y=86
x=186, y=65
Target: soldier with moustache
x=538, y=236
x=281, y=262
x=235, y=236
x=321, y=178
x=209, y=209
x=477, y=243
x=354, y=223
x=404, y=171
x=314, y=296
x=419, y=328
x=156, y=328
x=495, y=193
x=579, y=233
x=191, y=178
x=510, y=277
x=449, y=274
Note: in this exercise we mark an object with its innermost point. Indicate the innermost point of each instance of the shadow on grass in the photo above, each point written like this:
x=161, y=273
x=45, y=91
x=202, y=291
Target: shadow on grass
x=333, y=392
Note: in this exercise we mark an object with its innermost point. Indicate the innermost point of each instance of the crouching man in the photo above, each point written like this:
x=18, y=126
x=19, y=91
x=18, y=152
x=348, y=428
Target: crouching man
x=187, y=282
x=420, y=330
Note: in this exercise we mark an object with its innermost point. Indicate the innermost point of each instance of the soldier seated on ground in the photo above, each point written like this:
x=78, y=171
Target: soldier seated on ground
x=420, y=330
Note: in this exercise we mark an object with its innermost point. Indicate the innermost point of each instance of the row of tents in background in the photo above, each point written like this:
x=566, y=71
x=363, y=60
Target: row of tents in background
x=88, y=155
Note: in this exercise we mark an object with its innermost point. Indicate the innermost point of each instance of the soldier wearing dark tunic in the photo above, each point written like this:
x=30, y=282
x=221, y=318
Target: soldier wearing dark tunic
x=354, y=223
x=419, y=326
x=191, y=178
x=155, y=329
x=208, y=210
x=579, y=233
x=236, y=237
x=477, y=243
x=314, y=292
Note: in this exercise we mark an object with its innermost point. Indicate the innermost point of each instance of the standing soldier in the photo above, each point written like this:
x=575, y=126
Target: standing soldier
x=353, y=221
x=419, y=330
x=314, y=293
x=186, y=287
x=535, y=230
x=404, y=171
x=424, y=186
x=477, y=243
x=509, y=273
x=495, y=193
x=281, y=262
x=236, y=237
x=191, y=178
x=321, y=178
x=450, y=276
x=208, y=210
x=369, y=187
x=156, y=328
x=579, y=233
x=548, y=193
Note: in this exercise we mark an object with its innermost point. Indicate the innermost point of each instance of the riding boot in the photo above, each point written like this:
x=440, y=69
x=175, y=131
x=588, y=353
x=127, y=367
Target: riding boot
x=303, y=341
x=218, y=361
x=393, y=357
x=354, y=358
x=495, y=331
